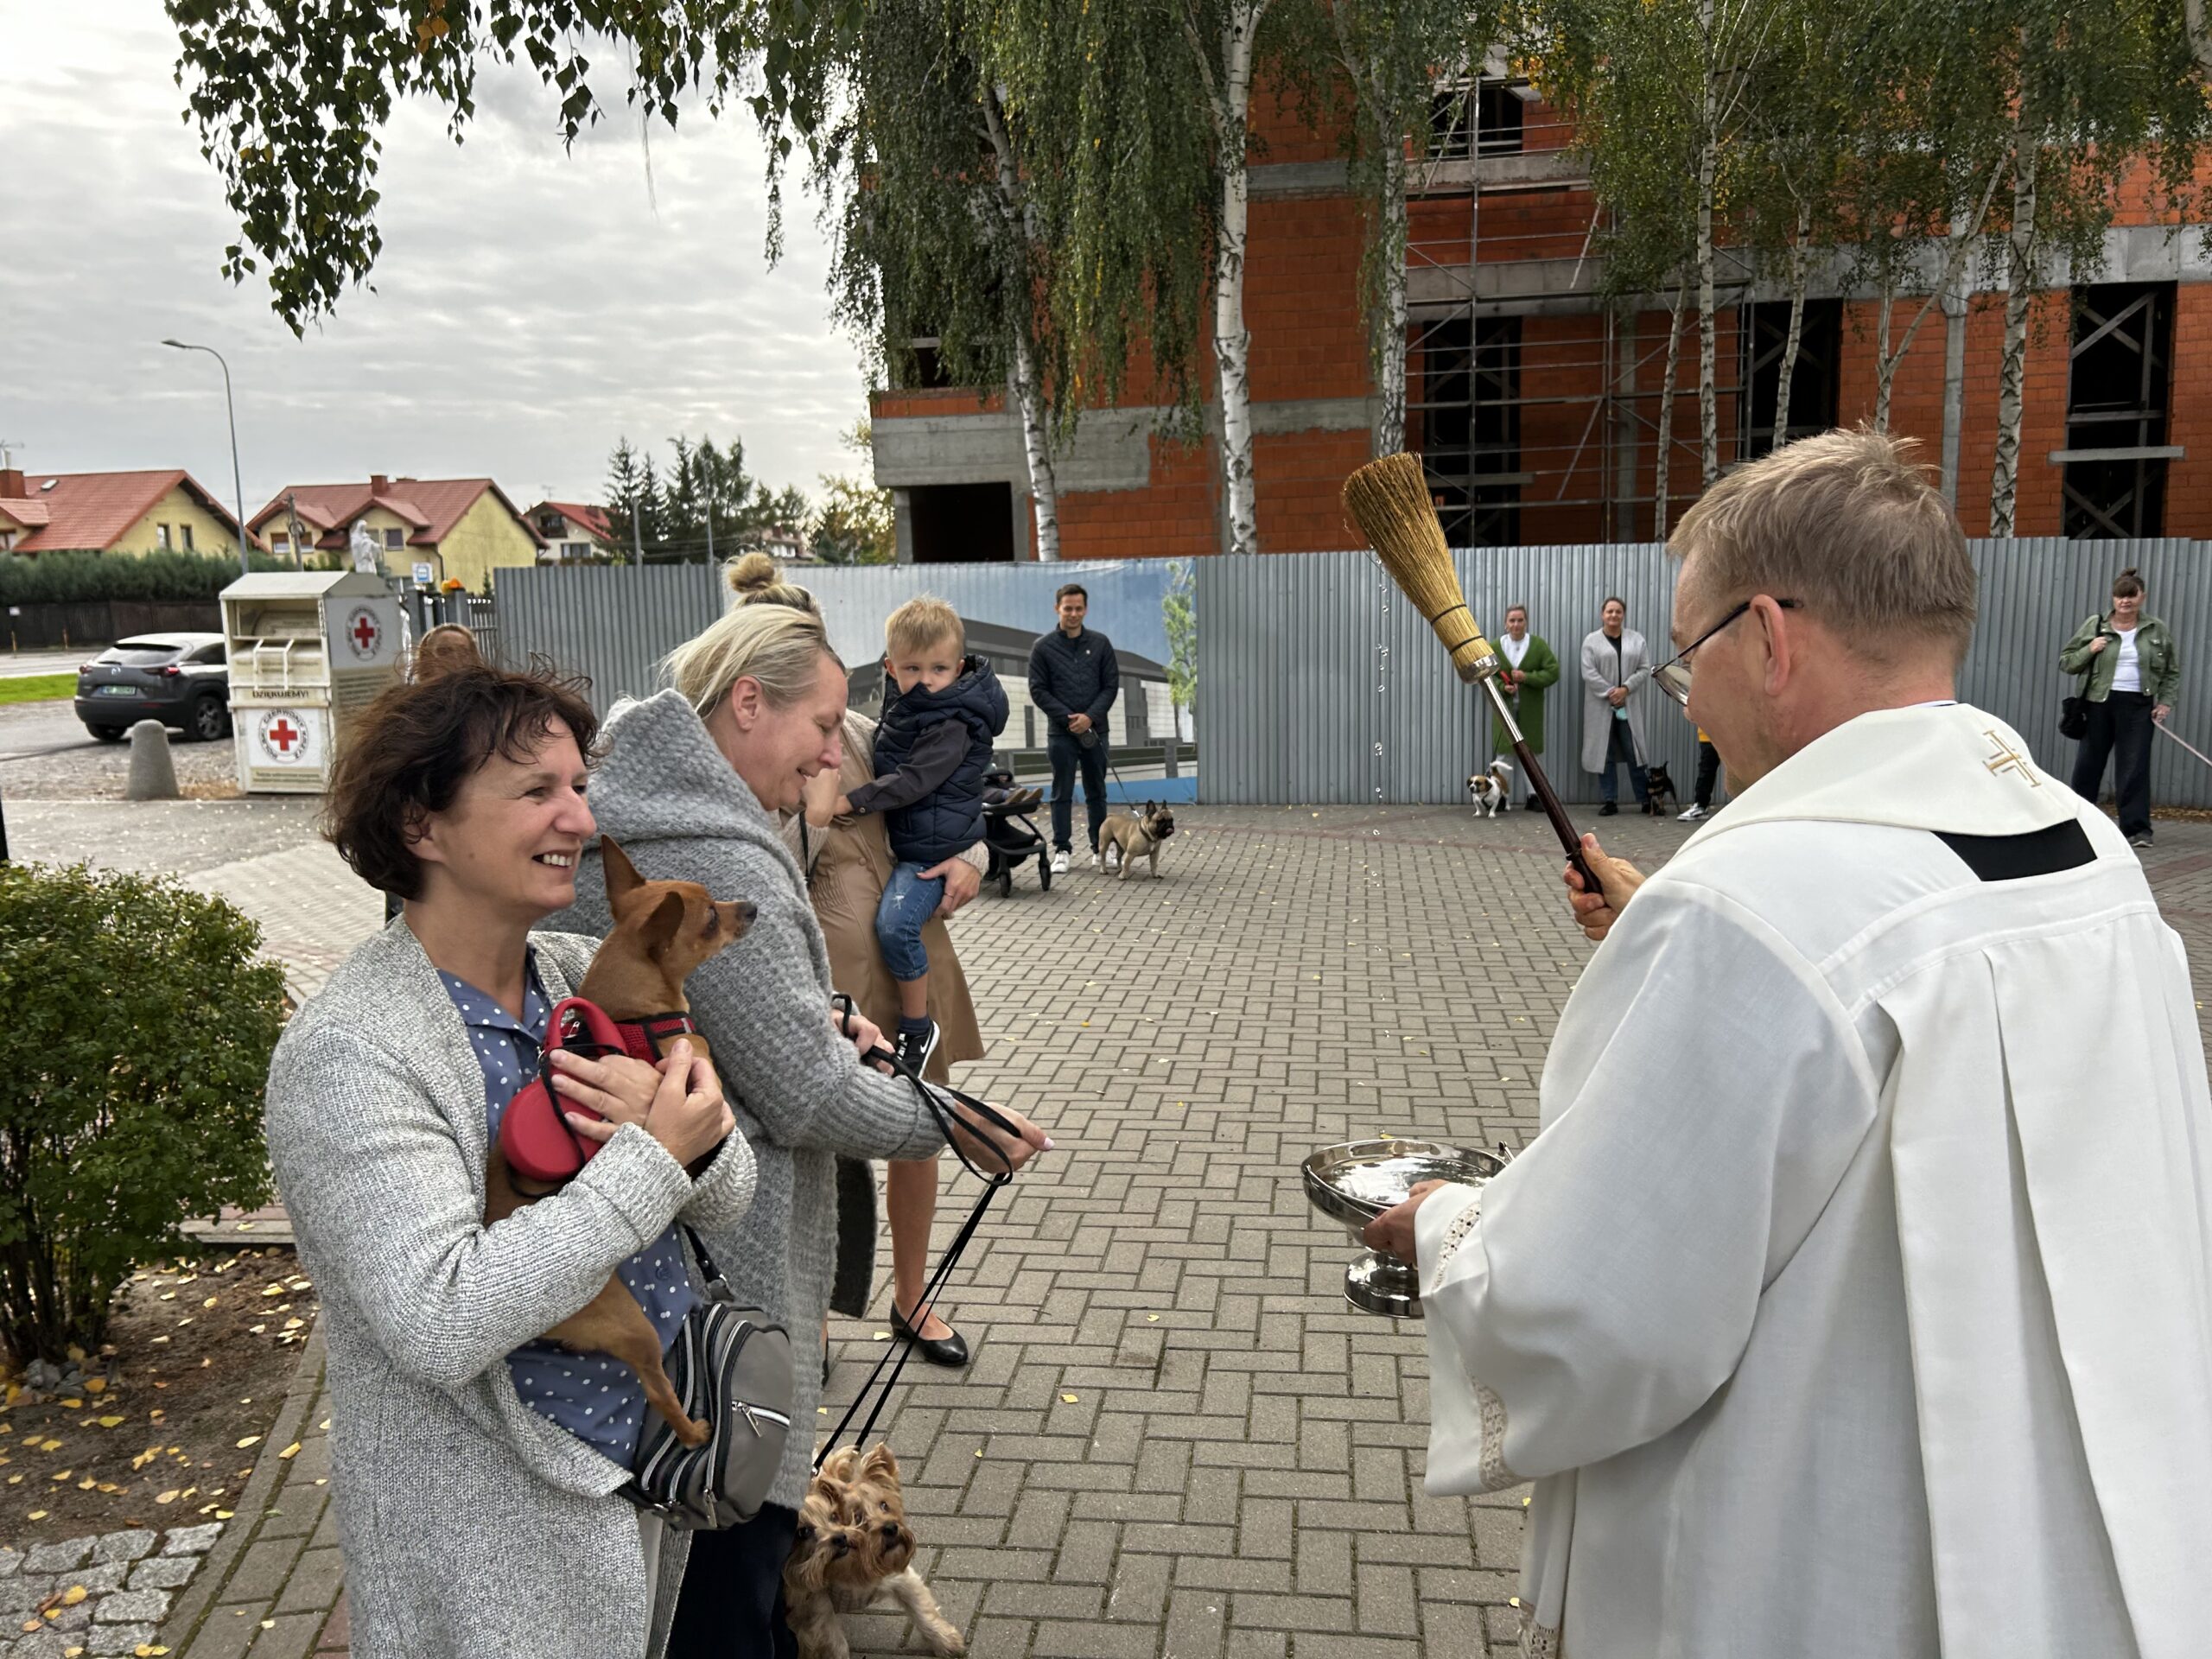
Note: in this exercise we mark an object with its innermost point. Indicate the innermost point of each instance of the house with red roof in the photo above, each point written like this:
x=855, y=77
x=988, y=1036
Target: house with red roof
x=574, y=532
x=112, y=512
x=462, y=529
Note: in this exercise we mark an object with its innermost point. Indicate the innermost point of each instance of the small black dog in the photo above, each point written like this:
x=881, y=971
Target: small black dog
x=1659, y=796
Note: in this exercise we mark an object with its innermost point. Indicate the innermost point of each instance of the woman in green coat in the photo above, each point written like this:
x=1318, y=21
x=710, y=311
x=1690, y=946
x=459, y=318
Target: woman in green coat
x=2133, y=675
x=1528, y=669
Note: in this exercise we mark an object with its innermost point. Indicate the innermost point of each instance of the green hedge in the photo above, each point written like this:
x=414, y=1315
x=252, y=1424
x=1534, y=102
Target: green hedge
x=66, y=577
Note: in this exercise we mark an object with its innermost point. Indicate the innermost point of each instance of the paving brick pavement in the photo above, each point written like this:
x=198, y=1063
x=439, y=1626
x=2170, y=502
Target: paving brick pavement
x=1175, y=1438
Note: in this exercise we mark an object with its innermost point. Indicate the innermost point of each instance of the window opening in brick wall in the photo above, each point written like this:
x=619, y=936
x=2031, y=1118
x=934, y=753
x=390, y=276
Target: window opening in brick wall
x=1484, y=118
x=2119, y=394
x=926, y=371
x=954, y=523
x=1465, y=418
x=1761, y=340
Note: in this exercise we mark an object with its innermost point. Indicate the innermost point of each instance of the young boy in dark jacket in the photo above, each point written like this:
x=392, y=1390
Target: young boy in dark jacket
x=941, y=710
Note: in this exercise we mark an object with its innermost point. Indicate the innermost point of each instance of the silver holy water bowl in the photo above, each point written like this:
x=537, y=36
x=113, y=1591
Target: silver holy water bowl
x=1357, y=1181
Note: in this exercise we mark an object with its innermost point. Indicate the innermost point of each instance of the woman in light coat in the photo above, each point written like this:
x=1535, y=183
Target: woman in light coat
x=475, y=1525
x=847, y=863
x=690, y=787
x=1612, y=717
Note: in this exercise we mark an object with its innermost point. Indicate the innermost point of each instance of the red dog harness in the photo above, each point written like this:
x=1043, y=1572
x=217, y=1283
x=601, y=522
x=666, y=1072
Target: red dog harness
x=534, y=1133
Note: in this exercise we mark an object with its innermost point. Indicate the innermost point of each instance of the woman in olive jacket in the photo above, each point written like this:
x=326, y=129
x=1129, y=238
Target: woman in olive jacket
x=2133, y=674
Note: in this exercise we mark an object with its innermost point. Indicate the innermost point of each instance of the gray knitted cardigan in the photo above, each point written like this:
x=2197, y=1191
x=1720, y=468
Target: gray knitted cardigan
x=666, y=792
x=473, y=1528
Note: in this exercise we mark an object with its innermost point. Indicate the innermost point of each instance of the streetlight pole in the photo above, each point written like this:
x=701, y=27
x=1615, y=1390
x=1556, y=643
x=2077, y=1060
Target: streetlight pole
x=237, y=488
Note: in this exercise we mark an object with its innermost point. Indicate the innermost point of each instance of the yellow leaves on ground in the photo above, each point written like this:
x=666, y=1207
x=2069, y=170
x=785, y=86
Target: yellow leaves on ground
x=291, y=1450
x=73, y=1594
x=109, y=1422
x=250, y=1439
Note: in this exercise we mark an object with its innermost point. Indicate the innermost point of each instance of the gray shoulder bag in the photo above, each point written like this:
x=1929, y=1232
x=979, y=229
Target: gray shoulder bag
x=732, y=1370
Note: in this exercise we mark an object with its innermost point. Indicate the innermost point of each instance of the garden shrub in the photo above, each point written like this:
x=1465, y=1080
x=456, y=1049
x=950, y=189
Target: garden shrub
x=139, y=1019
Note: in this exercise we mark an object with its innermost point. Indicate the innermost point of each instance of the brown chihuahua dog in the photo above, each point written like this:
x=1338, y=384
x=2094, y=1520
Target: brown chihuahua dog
x=662, y=931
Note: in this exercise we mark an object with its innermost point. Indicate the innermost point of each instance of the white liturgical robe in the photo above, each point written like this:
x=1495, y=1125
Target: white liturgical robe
x=1856, y=1297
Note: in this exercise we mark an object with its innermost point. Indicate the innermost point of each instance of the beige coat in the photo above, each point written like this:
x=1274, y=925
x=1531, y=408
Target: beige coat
x=847, y=865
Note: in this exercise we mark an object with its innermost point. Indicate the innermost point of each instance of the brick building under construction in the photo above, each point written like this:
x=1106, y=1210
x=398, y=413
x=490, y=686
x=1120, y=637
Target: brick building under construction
x=1535, y=406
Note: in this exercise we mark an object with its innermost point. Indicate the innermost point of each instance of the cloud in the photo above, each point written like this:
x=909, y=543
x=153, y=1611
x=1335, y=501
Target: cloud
x=531, y=305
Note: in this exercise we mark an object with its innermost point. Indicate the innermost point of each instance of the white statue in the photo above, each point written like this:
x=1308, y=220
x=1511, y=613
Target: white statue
x=368, y=550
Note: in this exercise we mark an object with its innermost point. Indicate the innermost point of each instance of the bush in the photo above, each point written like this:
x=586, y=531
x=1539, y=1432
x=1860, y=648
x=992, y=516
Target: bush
x=64, y=577
x=139, y=1025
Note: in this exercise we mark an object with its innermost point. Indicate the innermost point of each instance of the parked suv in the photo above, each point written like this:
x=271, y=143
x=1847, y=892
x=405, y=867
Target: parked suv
x=179, y=679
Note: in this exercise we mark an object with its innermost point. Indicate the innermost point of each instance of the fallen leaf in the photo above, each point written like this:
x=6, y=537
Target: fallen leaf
x=1068, y=1399
x=250, y=1439
x=210, y=1302
x=73, y=1405
x=96, y=1385
x=291, y=1450
x=38, y=1514
x=1151, y=1319
x=73, y=1594
x=111, y=1422
x=169, y=1497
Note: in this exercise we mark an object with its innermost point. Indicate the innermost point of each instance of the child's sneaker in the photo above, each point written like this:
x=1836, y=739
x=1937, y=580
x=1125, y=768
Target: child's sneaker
x=915, y=1043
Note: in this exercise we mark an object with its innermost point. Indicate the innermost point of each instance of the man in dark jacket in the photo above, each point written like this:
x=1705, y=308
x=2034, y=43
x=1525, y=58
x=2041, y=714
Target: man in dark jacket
x=1074, y=678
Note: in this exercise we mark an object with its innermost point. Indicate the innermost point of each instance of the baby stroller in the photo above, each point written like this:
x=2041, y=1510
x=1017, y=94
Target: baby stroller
x=1010, y=837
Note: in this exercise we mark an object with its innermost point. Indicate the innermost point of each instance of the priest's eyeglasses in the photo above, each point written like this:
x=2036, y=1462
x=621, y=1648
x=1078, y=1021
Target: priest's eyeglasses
x=1673, y=676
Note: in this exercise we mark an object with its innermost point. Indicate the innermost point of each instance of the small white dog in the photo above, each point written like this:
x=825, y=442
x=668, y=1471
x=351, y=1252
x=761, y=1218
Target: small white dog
x=1491, y=790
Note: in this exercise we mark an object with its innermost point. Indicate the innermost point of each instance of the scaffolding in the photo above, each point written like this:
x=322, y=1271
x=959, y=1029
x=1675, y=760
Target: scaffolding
x=1556, y=425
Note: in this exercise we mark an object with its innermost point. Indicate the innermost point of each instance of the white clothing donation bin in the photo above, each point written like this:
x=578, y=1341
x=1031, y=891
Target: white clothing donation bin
x=308, y=651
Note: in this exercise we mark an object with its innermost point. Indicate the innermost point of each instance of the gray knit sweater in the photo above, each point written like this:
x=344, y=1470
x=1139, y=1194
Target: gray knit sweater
x=801, y=1096
x=473, y=1527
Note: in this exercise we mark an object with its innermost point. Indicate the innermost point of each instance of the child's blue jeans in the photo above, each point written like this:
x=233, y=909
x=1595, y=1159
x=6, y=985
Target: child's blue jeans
x=909, y=899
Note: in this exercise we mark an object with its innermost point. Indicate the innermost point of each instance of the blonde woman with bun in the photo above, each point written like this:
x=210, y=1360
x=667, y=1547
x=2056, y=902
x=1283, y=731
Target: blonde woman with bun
x=849, y=861
x=690, y=787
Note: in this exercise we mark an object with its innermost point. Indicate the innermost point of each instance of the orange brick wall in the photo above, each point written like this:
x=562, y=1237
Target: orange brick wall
x=1302, y=307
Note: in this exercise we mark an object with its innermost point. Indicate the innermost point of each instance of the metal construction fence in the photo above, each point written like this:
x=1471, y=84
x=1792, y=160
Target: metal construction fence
x=1318, y=683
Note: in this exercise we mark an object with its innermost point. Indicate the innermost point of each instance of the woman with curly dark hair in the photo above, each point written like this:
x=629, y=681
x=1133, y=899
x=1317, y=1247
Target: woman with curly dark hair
x=478, y=1467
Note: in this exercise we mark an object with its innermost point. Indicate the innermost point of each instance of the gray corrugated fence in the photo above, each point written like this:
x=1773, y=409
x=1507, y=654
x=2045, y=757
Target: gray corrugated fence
x=1318, y=683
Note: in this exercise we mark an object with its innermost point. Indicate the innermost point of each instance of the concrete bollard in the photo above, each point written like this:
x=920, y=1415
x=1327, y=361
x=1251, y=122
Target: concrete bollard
x=153, y=774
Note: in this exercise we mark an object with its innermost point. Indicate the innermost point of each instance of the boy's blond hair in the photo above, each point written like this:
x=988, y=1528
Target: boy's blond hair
x=920, y=623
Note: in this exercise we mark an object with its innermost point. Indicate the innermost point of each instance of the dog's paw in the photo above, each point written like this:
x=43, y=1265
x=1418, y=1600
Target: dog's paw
x=943, y=1637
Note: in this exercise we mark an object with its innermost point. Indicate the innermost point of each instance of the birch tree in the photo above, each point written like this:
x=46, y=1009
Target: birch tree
x=2093, y=91
x=1224, y=38
x=1391, y=54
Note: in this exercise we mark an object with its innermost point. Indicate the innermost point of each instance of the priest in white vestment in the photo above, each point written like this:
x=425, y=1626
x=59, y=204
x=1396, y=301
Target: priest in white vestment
x=1855, y=1299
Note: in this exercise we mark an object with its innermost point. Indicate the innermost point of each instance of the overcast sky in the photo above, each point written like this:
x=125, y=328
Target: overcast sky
x=531, y=305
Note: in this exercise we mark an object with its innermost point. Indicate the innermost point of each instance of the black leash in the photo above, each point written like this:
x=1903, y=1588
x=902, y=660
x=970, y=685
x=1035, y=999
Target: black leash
x=897, y=1355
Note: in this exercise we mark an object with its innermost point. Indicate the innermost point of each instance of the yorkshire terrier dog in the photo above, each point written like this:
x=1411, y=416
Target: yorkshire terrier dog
x=855, y=1551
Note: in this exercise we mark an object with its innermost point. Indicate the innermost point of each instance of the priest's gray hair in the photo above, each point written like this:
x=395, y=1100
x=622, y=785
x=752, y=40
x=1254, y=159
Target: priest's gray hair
x=1849, y=524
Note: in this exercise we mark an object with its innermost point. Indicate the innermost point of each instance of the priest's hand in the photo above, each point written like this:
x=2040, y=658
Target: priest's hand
x=1617, y=880
x=1392, y=1232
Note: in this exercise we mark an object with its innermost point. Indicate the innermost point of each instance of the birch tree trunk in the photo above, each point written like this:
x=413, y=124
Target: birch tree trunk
x=1389, y=324
x=1797, y=258
x=1960, y=241
x=2200, y=33
x=1662, y=458
x=1232, y=344
x=2020, y=272
x=1708, y=165
x=1028, y=394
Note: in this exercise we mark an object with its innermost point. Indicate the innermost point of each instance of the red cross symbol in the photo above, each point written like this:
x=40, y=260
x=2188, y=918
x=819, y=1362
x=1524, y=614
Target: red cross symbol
x=284, y=735
x=365, y=632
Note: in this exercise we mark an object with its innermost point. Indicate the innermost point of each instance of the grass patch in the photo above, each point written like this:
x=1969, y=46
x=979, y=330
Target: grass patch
x=37, y=687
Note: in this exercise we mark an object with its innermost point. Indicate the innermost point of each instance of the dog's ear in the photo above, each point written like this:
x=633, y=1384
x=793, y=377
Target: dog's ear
x=622, y=877
x=838, y=1466
x=663, y=924
x=879, y=1463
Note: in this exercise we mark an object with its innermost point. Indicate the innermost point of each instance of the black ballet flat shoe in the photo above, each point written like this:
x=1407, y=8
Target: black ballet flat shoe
x=950, y=1351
